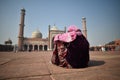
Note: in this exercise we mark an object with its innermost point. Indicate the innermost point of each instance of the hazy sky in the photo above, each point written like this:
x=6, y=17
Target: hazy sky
x=102, y=16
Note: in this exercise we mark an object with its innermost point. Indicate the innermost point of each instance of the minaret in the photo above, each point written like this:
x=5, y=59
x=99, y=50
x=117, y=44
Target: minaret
x=84, y=29
x=21, y=30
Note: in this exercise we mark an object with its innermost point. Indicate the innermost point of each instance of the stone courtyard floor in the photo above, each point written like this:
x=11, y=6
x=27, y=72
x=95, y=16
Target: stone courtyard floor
x=37, y=66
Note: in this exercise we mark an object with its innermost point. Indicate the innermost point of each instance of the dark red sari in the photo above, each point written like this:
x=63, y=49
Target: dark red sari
x=74, y=55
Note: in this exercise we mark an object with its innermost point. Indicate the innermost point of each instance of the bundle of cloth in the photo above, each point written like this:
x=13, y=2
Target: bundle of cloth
x=71, y=49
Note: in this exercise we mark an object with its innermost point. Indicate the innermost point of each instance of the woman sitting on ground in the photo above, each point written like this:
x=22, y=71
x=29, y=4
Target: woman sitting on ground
x=71, y=49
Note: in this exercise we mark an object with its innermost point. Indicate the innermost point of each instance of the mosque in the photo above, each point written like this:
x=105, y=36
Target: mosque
x=36, y=42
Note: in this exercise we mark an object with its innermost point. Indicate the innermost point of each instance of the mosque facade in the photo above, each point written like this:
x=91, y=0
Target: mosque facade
x=36, y=42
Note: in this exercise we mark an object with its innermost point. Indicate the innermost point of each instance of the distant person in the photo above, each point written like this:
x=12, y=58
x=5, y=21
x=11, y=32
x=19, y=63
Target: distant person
x=103, y=49
x=71, y=49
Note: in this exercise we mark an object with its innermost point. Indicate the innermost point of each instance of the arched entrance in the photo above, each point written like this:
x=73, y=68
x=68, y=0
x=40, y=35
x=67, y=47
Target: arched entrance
x=30, y=47
x=25, y=47
x=45, y=47
x=40, y=47
x=35, y=47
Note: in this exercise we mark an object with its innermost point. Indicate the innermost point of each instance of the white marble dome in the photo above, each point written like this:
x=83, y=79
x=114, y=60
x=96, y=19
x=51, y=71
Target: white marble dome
x=36, y=34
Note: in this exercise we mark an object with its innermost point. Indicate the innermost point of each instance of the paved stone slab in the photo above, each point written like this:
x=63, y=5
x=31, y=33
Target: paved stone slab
x=32, y=78
x=23, y=70
x=87, y=75
x=3, y=61
x=26, y=65
x=37, y=66
x=102, y=66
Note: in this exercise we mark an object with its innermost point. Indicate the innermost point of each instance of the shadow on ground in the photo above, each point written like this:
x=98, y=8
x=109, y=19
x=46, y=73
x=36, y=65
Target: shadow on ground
x=95, y=63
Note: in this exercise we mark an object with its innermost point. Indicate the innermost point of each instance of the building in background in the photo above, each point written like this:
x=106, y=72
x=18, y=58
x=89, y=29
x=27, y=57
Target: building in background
x=110, y=46
x=7, y=46
x=36, y=42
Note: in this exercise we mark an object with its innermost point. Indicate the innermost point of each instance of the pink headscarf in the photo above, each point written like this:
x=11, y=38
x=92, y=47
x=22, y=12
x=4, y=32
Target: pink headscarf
x=70, y=36
x=73, y=28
